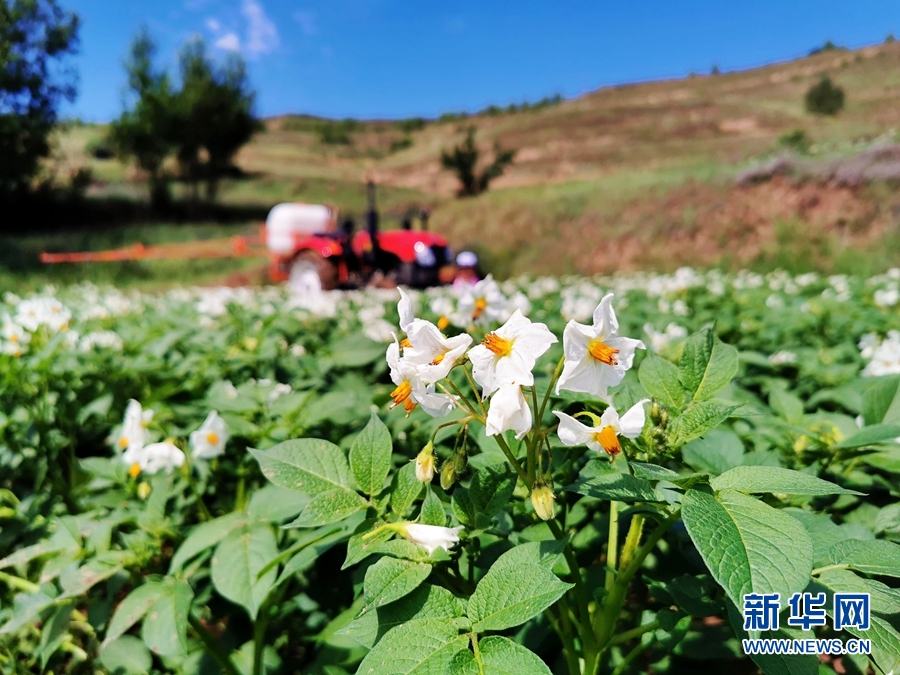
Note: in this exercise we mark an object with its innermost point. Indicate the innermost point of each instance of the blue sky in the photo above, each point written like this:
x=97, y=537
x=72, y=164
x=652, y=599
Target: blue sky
x=393, y=59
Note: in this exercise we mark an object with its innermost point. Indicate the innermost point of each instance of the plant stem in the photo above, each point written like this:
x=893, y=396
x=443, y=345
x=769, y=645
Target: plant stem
x=622, y=668
x=607, y=616
x=556, y=374
x=467, y=408
x=474, y=389
x=612, y=545
x=478, y=659
x=816, y=572
x=212, y=647
x=504, y=446
x=627, y=635
x=18, y=583
x=584, y=627
x=563, y=628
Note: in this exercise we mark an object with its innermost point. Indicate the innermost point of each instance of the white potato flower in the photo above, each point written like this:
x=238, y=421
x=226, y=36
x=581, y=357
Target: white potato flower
x=154, y=458
x=484, y=302
x=507, y=356
x=596, y=357
x=431, y=537
x=434, y=353
x=209, y=440
x=605, y=436
x=411, y=390
x=508, y=410
x=134, y=427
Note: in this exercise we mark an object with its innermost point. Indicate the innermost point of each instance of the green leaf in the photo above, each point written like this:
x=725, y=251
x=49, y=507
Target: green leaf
x=698, y=419
x=401, y=548
x=329, y=507
x=883, y=635
x=777, y=664
x=308, y=465
x=869, y=557
x=618, y=487
x=881, y=401
x=355, y=350
x=405, y=489
x=499, y=656
x=165, y=625
x=276, y=504
x=717, y=452
x=491, y=488
x=884, y=599
x=787, y=405
x=425, y=602
x=204, y=536
x=421, y=647
x=27, y=607
x=390, y=579
x=879, y=433
x=748, y=546
x=511, y=595
x=370, y=456
x=359, y=548
x=695, y=357
x=132, y=609
x=707, y=365
x=77, y=581
x=541, y=553
x=656, y=472
x=755, y=479
x=307, y=556
x=237, y=562
x=433, y=510
x=462, y=506
x=660, y=378
x=126, y=656
x=54, y=632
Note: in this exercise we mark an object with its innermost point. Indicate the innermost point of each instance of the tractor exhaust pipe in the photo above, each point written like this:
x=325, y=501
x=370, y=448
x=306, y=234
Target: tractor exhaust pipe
x=372, y=221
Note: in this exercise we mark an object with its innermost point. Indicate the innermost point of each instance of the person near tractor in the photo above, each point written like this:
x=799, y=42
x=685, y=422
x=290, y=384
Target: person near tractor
x=467, y=272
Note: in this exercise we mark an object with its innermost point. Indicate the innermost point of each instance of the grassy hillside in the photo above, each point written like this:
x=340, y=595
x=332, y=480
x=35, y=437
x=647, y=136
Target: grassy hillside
x=638, y=176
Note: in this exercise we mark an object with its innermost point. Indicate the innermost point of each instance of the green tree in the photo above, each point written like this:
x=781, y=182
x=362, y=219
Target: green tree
x=463, y=160
x=825, y=98
x=36, y=36
x=145, y=132
x=203, y=123
x=214, y=115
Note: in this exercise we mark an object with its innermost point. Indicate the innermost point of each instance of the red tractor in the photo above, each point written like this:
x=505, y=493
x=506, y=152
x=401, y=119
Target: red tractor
x=309, y=251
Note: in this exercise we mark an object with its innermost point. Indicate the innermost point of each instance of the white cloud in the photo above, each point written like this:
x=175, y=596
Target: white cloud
x=307, y=21
x=213, y=24
x=230, y=42
x=262, y=36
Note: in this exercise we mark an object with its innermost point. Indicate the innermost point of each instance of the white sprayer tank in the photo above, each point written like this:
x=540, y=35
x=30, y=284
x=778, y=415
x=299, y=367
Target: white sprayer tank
x=287, y=222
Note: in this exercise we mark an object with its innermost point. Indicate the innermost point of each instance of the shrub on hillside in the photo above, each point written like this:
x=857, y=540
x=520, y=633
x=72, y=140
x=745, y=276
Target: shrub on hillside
x=337, y=132
x=796, y=140
x=825, y=98
x=463, y=160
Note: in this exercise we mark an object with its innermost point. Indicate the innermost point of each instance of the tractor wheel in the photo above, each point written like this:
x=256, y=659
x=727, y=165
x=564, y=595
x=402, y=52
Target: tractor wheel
x=311, y=273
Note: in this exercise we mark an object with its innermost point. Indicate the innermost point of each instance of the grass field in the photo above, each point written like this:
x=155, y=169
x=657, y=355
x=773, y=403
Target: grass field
x=628, y=177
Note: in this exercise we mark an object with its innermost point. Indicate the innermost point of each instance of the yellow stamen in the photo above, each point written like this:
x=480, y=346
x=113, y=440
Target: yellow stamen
x=603, y=352
x=14, y=338
x=609, y=441
x=480, y=306
x=212, y=438
x=438, y=359
x=500, y=346
x=123, y=442
x=409, y=405
x=405, y=343
x=443, y=322
x=135, y=470
x=402, y=392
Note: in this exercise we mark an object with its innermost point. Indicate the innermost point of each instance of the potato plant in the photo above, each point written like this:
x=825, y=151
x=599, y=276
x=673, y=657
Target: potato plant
x=501, y=480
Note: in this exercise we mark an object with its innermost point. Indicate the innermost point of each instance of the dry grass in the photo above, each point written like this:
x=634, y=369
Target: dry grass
x=630, y=176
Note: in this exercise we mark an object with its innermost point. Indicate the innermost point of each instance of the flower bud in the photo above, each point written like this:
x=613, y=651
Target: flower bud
x=448, y=474
x=143, y=490
x=664, y=418
x=425, y=464
x=654, y=412
x=543, y=500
